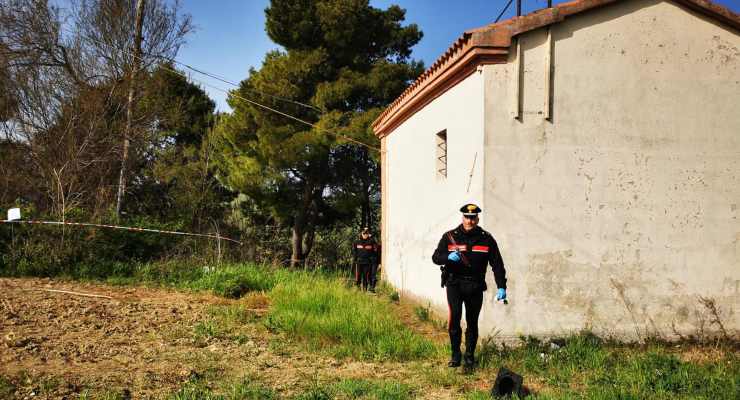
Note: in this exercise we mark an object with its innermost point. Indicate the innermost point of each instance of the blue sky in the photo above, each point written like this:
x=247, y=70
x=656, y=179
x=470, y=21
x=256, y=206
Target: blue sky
x=230, y=34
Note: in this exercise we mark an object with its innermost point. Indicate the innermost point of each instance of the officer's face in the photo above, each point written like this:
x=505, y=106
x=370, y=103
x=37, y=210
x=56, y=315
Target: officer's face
x=469, y=222
x=365, y=235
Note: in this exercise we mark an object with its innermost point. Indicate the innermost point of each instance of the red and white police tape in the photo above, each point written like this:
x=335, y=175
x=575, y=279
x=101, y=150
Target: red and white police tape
x=126, y=228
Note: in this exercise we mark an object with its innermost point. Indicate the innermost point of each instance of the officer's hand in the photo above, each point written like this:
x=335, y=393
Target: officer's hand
x=454, y=256
x=501, y=295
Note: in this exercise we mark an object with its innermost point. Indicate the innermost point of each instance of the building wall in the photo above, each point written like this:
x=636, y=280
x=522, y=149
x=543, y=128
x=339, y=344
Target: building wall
x=622, y=212
x=418, y=207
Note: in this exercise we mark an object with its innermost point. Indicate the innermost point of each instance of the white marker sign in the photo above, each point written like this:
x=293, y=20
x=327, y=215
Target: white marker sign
x=14, y=214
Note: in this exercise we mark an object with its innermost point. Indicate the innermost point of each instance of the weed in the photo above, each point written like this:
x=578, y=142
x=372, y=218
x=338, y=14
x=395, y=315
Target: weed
x=207, y=330
x=192, y=391
x=358, y=388
x=423, y=313
x=440, y=375
x=111, y=395
x=477, y=395
x=231, y=316
x=197, y=389
x=317, y=392
x=6, y=387
x=48, y=384
x=247, y=390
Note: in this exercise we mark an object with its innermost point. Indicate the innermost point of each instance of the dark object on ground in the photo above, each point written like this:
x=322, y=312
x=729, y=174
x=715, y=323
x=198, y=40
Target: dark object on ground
x=507, y=383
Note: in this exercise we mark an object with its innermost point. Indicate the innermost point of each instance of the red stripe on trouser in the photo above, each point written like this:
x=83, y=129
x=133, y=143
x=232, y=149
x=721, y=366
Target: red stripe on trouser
x=449, y=315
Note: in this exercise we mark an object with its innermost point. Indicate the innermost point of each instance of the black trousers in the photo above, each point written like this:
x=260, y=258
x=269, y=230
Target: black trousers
x=373, y=275
x=362, y=276
x=469, y=293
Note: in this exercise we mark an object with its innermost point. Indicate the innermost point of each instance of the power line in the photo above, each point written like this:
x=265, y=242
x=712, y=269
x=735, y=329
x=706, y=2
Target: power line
x=174, y=71
x=347, y=138
x=209, y=74
x=225, y=80
x=126, y=228
x=503, y=11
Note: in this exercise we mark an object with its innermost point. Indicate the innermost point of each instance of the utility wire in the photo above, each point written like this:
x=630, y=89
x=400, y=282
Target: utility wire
x=503, y=11
x=237, y=96
x=225, y=80
x=126, y=228
x=233, y=94
x=347, y=138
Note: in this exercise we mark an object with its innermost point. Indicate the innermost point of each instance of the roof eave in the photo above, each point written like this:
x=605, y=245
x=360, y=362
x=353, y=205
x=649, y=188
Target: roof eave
x=490, y=45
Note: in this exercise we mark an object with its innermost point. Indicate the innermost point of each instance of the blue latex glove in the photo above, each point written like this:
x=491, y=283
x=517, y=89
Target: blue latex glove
x=501, y=295
x=454, y=256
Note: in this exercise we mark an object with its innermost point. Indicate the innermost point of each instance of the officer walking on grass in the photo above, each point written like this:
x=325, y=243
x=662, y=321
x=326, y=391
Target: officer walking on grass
x=464, y=253
x=365, y=257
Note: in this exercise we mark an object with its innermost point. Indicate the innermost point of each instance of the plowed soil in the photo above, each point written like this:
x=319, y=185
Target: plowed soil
x=145, y=343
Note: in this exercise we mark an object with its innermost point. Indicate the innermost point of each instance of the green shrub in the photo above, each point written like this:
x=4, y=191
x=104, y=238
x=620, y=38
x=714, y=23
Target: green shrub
x=233, y=281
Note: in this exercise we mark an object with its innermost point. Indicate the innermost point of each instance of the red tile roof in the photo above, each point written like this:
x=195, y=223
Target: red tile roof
x=490, y=44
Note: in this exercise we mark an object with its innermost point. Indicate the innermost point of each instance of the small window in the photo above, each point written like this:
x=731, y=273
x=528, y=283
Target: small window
x=442, y=154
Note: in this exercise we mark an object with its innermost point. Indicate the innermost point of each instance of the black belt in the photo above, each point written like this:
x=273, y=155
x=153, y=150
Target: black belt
x=472, y=278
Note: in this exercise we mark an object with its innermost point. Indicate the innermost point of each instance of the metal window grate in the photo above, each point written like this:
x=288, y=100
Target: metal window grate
x=442, y=154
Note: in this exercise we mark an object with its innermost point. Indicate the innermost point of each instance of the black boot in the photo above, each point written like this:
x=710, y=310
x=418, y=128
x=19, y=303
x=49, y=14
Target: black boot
x=469, y=358
x=455, y=359
x=468, y=361
x=455, y=341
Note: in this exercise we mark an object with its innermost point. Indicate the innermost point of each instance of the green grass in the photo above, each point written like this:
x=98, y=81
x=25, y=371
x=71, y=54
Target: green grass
x=318, y=311
x=316, y=308
x=244, y=390
x=590, y=368
x=329, y=316
x=358, y=389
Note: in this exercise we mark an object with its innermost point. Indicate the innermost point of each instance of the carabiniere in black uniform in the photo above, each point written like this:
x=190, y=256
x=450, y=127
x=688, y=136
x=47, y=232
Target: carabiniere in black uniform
x=365, y=256
x=466, y=281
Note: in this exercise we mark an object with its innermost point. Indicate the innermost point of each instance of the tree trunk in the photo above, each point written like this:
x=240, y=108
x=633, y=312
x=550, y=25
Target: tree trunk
x=130, y=109
x=299, y=225
x=297, y=245
x=365, y=202
x=310, y=233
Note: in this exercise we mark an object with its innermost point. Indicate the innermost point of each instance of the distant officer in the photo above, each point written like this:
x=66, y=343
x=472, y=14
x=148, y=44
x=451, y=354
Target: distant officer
x=365, y=257
x=465, y=252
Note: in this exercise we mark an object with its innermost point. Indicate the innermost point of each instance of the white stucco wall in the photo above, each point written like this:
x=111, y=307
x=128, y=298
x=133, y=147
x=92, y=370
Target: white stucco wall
x=419, y=207
x=622, y=211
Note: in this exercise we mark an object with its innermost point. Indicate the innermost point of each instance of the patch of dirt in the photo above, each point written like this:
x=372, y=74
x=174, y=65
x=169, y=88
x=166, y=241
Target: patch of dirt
x=148, y=342
x=434, y=328
x=97, y=341
x=701, y=354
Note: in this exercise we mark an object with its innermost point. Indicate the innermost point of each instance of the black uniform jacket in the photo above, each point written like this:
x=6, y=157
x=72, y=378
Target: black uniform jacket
x=478, y=247
x=365, y=251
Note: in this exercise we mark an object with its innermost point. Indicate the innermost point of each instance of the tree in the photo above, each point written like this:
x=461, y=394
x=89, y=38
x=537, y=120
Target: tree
x=175, y=182
x=343, y=62
x=67, y=73
x=133, y=83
